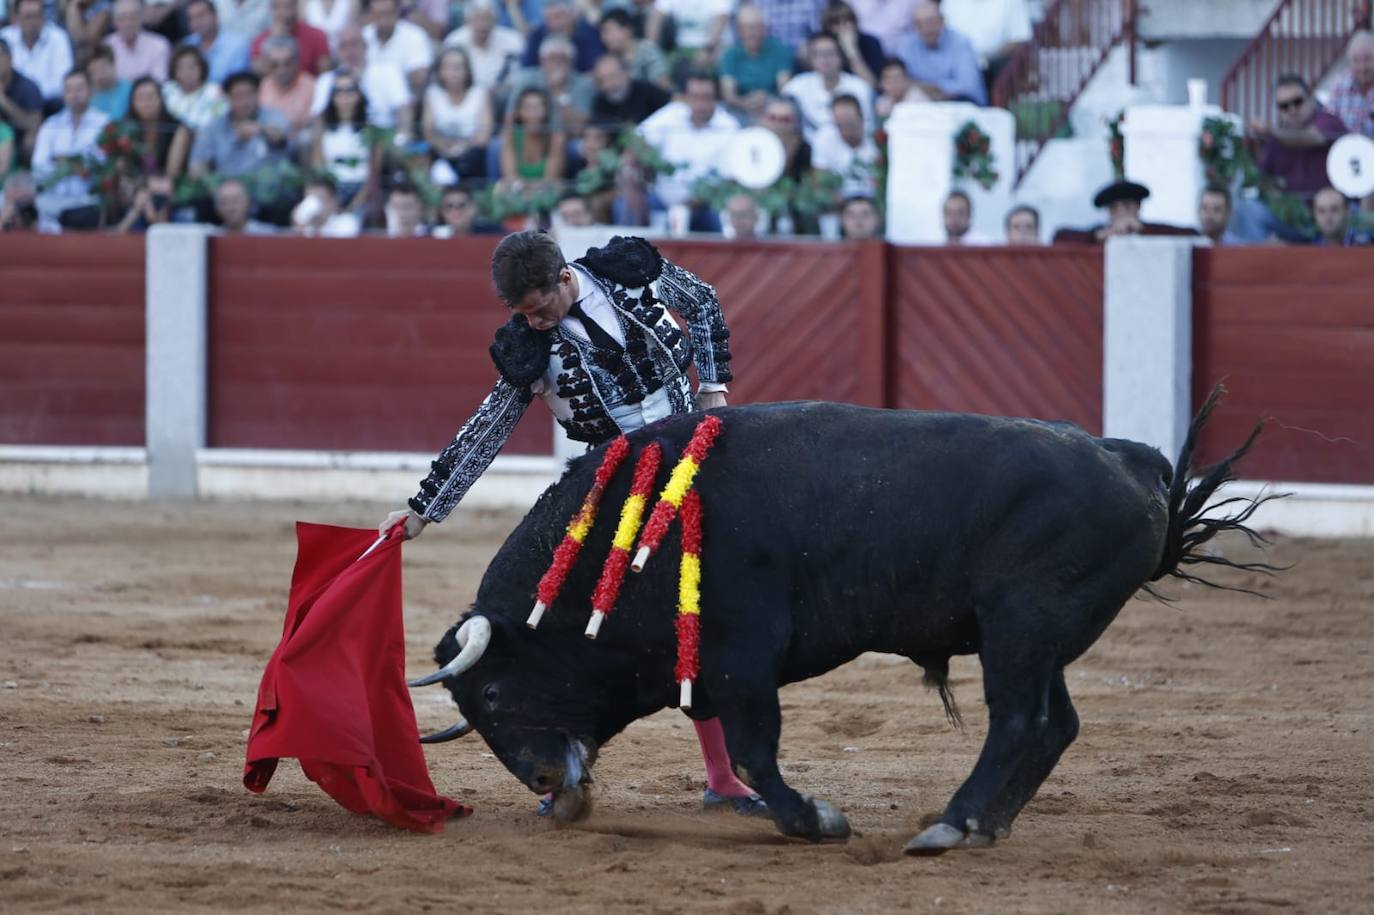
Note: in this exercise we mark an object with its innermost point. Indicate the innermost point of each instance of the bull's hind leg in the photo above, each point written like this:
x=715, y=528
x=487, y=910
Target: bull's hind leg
x=1018, y=673
x=748, y=709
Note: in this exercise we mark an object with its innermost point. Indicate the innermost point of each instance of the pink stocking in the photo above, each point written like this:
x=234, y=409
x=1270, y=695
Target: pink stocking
x=719, y=777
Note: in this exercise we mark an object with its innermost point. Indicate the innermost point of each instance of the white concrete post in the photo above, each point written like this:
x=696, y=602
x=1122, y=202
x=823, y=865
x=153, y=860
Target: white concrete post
x=920, y=157
x=1162, y=154
x=1147, y=342
x=177, y=316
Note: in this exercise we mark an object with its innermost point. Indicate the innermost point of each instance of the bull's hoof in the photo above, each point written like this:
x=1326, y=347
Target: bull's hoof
x=833, y=824
x=935, y=840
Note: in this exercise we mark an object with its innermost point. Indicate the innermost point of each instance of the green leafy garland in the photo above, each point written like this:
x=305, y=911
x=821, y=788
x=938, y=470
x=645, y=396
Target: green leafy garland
x=817, y=193
x=973, y=158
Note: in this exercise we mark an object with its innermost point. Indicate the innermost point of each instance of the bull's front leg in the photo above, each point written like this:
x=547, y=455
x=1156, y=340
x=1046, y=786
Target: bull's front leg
x=752, y=721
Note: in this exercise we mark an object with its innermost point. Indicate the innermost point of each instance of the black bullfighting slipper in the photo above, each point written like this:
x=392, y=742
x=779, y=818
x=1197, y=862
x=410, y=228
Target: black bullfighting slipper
x=749, y=806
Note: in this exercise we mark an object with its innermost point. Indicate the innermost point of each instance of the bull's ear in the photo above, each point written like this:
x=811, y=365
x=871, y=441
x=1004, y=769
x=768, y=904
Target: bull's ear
x=447, y=649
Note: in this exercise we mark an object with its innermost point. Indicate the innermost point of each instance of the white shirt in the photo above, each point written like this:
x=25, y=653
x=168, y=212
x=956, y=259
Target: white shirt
x=244, y=18
x=408, y=48
x=885, y=20
x=47, y=63
x=831, y=153
x=988, y=24
x=60, y=136
x=330, y=21
x=694, y=150
x=384, y=86
x=489, y=64
x=814, y=100
x=693, y=18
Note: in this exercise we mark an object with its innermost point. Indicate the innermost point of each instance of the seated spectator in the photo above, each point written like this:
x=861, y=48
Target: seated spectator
x=560, y=20
x=243, y=19
x=958, y=219
x=573, y=210
x=1214, y=215
x=571, y=92
x=620, y=99
x=339, y=148
x=286, y=88
x=1352, y=97
x=225, y=52
x=533, y=148
x=190, y=96
x=643, y=59
x=781, y=117
x=843, y=147
x=18, y=207
x=151, y=206
x=694, y=135
x=1122, y=201
x=458, y=215
x=391, y=39
x=87, y=23
x=432, y=16
x=39, y=50
x=318, y=214
x=312, y=45
x=494, y=51
x=885, y=20
x=21, y=101
x=995, y=28
x=1331, y=212
x=163, y=140
x=458, y=121
x=860, y=219
x=405, y=213
x=234, y=208
x=109, y=93
x=791, y=21
x=756, y=66
x=940, y=60
x=330, y=16
x=896, y=86
x=73, y=132
x=137, y=52
x=1023, y=225
x=698, y=27
x=862, y=53
x=246, y=138
x=9, y=151
x=742, y=215
x=816, y=89
x=389, y=102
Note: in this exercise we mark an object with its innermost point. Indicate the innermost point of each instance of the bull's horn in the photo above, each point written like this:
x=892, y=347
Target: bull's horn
x=473, y=637
x=447, y=734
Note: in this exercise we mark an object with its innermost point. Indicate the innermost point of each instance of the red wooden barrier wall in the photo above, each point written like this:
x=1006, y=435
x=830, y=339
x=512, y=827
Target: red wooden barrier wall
x=71, y=340
x=359, y=344
x=1291, y=332
x=1014, y=331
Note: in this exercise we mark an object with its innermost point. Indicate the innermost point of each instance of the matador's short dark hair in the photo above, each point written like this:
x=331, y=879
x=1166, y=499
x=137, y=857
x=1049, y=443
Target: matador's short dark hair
x=525, y=262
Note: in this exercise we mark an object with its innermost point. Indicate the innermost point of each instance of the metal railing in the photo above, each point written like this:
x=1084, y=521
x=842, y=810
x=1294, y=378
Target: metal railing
x=1047, y=74
x=1303, y=37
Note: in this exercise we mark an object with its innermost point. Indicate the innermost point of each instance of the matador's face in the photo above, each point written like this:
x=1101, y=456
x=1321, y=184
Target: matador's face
x=545, y=308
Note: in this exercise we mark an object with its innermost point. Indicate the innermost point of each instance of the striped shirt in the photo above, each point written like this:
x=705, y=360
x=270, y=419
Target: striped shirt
x=1353, y=105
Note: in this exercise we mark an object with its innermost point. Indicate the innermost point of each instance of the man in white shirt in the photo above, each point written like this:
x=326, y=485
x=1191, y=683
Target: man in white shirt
x=394, y=40
x=957, y=214
x=699, y=25
x=843, y=147
x=73, y=131
x=815, y=90
x=493, y=50
x=383, y=84
x=996, y=28
x=693, y=134
x=39, y=50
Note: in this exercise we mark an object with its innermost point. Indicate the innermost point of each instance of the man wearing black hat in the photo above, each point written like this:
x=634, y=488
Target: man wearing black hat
x=1122, y=201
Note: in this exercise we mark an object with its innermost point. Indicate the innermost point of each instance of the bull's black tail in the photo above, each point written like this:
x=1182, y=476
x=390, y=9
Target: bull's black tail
x=1191, y=525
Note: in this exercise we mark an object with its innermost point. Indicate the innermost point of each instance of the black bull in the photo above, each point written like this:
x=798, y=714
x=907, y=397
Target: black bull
x=829, y=531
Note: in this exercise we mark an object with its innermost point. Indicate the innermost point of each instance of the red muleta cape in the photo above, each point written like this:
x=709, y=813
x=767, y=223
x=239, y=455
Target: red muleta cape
x=334, y=693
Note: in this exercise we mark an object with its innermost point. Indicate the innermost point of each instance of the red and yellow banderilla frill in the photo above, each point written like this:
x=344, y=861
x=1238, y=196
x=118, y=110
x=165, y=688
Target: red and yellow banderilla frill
x=578, y=528
x=631, y=513
x=688, y=621
x=679, y=484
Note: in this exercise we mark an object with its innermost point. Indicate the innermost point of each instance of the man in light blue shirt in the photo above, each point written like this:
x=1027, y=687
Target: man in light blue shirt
x=941, y=61
x=225, y=52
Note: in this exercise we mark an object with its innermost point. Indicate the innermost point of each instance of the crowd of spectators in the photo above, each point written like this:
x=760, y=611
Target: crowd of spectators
x=335, y=117
x=449, y=117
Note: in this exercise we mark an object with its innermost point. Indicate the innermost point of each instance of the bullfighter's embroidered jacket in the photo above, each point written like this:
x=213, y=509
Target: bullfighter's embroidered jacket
x=583, y=383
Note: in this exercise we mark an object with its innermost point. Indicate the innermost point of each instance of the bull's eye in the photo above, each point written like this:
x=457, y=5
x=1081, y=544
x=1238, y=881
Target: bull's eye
x=491, y=696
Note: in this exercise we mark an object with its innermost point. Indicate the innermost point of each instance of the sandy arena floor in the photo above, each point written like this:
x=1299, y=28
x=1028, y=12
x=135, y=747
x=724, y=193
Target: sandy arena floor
x=1224, y=765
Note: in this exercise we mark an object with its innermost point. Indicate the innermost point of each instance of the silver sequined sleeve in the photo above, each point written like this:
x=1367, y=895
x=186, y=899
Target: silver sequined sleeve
x=687, y=295
x=459, y=465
